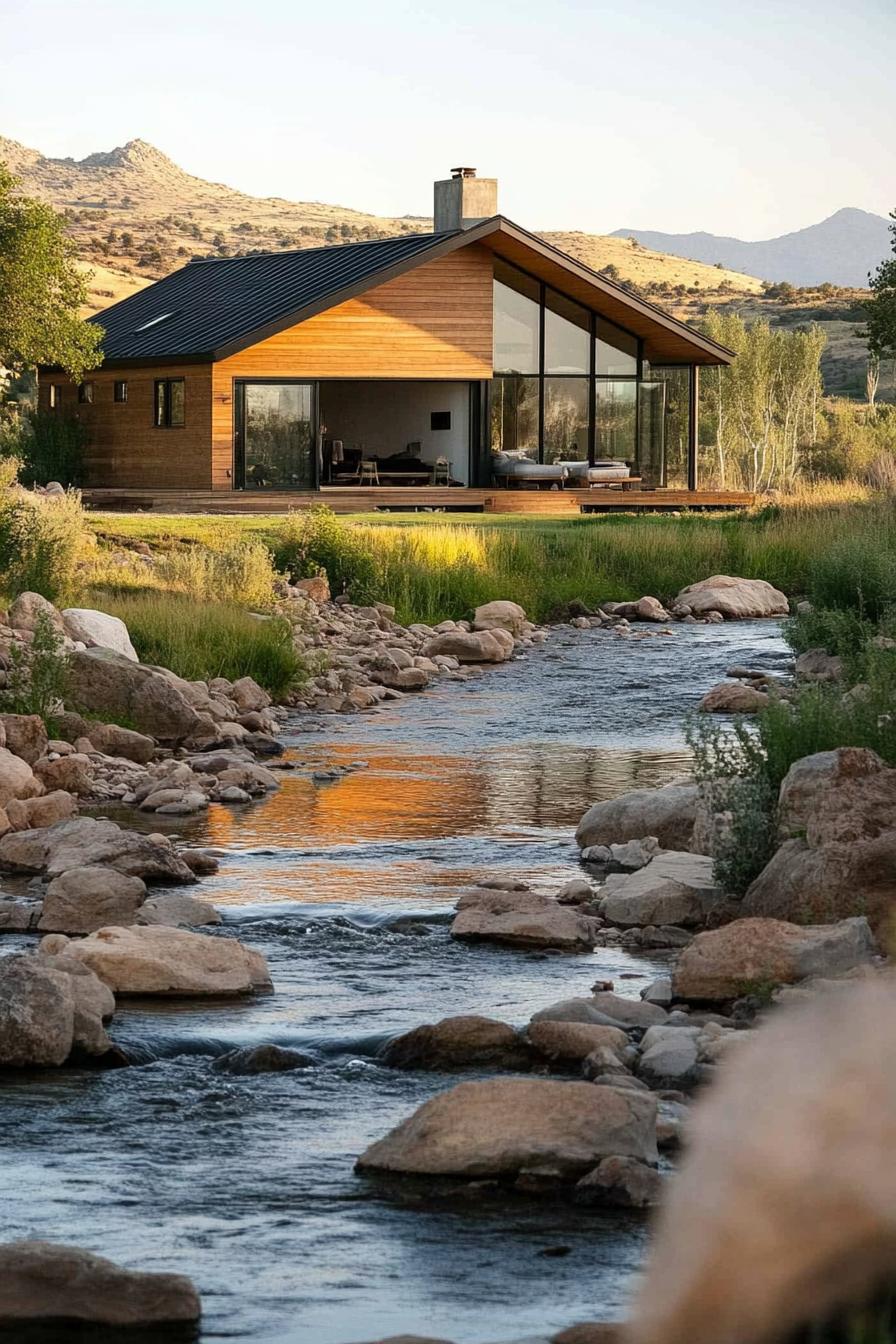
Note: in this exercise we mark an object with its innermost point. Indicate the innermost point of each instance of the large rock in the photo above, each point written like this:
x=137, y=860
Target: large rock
x=500, y=616
x=177, y=910
x=733, y=697
x=504, y=1126
x=42, y=1281
x=94, y=1004
x=38, y=813
x=113, y=740
x=784, y=1208
x=521, y=919
x=674, y=888
x=87, y=842
x=669, y=1057
x=37, y=1016
x=667, y=814
x=458, y=1043
x=98, y=630
x=752, y=956
x=471, y=646
x=82, y=900
x=25, y=736
x=839, y=810
x=17, y=779
x=572, y=1042
x=818, y=665
x=27, y=610
x=736, y=599
x=603, y=1009
x=158, y=960
x=109, y=683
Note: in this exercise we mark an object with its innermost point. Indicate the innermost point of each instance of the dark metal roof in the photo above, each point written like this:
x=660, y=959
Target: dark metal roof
x=209, y=308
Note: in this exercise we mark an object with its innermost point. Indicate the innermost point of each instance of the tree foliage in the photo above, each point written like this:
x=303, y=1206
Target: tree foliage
x=760, y=413
x=881, y=308
x=41, y=289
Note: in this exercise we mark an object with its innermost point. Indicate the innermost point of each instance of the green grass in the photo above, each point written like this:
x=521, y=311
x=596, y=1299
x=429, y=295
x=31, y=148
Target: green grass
x=431, y=567
x=202, y=640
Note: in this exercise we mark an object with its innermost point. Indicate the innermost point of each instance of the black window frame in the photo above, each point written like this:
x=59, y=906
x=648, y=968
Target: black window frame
x=85, y=394
x=164, y=421
x=120, y=391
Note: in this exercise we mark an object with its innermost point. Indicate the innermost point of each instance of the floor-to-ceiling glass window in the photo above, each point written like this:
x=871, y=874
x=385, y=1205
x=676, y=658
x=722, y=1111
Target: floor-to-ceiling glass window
x=572, y=388
x=275, y=436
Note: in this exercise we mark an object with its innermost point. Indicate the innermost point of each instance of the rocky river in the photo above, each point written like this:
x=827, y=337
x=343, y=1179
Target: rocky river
x=347, y=884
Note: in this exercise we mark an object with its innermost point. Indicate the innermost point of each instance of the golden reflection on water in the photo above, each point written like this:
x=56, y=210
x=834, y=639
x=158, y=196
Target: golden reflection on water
x=415, y=823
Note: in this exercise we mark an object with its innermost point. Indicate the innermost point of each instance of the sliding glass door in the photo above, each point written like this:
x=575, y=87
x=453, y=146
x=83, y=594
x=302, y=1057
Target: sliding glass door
x=276, y=436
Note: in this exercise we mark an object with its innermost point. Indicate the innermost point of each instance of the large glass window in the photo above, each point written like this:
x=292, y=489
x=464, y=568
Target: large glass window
x=516, y=322
x=566, y=419
x=670, y=449
x=277, y=436
x=515, y=416
x=567, y=335
x=616, y=352
x=616, y=421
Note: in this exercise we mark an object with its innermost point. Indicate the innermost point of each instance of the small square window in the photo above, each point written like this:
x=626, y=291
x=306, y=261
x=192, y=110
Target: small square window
x=121, y=391
x=170, y=400
x=85, y=393
x=440, y=420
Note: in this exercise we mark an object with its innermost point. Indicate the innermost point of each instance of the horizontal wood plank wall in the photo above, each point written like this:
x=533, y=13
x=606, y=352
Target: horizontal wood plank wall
x=433, y=322
x=124, y=448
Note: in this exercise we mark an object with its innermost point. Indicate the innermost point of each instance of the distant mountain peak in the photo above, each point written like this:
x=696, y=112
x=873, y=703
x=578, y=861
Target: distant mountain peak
x=135, y=154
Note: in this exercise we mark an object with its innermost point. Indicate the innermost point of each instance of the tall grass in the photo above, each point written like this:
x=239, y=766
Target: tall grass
x=202, y=640
x=432, y=572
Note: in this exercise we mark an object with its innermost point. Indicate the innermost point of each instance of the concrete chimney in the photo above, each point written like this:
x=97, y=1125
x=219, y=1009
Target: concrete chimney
x=463, y=200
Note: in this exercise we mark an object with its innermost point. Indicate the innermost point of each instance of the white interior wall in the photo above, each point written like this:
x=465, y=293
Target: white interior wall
x=385, y=417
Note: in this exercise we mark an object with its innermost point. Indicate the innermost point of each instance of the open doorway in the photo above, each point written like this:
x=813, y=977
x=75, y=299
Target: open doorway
x=394, y=433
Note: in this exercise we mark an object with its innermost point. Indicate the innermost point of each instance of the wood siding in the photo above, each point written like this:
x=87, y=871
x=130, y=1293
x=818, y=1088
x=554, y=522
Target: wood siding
x=433, y=322
x=124, y=448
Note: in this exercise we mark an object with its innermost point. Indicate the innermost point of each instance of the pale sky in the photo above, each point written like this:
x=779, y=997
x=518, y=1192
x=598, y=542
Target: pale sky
x=743, y=117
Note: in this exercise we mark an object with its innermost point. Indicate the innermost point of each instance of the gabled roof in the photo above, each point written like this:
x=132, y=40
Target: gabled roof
x=214, y=308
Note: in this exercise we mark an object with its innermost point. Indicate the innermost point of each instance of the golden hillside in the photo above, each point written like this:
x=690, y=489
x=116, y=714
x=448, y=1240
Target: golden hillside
x=136, y=216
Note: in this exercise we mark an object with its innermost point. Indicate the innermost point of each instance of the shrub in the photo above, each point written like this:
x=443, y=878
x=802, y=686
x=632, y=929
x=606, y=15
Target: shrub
x=37, y=673
x=314, y=541
x=42, y=541
x=846, y=633
x=231, y=569
x=857, y=573
x=202, y=640
x=52, y=449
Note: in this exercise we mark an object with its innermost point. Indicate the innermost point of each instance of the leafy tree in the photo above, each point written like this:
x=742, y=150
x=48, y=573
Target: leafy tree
x=881, y=308
x=41, y=290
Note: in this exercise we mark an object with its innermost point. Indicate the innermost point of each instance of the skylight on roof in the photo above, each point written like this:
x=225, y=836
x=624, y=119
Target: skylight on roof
x=154, y=322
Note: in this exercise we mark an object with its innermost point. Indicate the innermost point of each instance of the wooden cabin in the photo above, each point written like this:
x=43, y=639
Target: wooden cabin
x=443, y=366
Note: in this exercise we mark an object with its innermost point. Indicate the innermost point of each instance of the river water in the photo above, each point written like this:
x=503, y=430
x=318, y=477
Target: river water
x=247, y=1184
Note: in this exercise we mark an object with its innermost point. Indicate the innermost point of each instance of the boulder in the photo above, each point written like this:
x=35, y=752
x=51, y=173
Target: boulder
x=17, y=779
x=458, y=1043
x=252, y=1059
x=667, y=814
x=159, y=960
x=669, y=1058
x=470, y=646
x=98, y=630
x=316, y=589
x=591, y=1332
x=38, y=813
x=27, y=610
x=500, y=616
x=674, y=888
x=501, y=1127
x=572, y=1042
x=108, y=683
x=645, y=609
x=82, y=900
x=733, y=697
x=94, y=1004
x=176, y=910
x=112, y=740
x=86, y=842
x=620, y=1182
x=248, y=696
x=72, y=773
x=521, y=920
x=751, y=956
x=783, y=1211
x=838, y=809
x=818, y=665
x=25, y=736
x=603, y=1009
x=736, y=599
x=42, y=1281
x=633, y=854
x=37, y=1016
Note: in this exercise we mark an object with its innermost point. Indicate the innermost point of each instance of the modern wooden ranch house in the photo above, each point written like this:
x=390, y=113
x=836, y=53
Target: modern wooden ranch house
x=457, y=368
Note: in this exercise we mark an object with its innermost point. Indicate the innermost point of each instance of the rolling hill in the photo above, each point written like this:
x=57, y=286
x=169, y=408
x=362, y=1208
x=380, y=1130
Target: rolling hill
x=841, y=250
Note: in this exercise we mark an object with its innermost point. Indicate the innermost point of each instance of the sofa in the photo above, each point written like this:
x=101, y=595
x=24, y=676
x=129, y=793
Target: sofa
x=605, y=471
x=514, y=468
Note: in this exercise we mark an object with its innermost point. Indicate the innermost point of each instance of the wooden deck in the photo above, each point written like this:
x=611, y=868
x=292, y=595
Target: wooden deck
x=352, y=499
